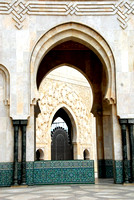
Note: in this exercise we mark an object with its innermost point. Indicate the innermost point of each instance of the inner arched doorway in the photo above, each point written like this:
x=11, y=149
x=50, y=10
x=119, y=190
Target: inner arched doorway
x=61, y=137
x=94, y=59
x=64, y=98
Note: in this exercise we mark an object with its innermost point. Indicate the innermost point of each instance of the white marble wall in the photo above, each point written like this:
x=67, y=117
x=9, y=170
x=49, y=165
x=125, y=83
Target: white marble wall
x=6, y=129
x=17, y=45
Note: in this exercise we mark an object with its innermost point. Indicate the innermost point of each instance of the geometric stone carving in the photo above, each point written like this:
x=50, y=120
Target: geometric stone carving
x=19, y=9
x=123, y=10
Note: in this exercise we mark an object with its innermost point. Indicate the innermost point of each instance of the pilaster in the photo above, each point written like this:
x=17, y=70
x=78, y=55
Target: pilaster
x=131, y=137
x=123, y=123
x=23, y=124
x=16, y=131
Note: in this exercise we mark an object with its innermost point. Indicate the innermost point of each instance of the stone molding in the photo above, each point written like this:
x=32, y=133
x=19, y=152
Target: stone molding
x=19, y=9
x=87, y=36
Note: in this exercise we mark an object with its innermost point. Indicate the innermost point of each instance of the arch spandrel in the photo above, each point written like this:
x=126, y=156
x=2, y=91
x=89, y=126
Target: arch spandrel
x=79, y=33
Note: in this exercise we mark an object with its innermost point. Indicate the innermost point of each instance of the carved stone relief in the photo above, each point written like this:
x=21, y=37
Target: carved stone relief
x=54, y=94
x=20, y=9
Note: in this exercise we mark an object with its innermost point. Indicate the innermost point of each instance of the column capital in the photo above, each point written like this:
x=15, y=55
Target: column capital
x=23, y=122
x=15, y=122
x=131, y=121
x=123, y=121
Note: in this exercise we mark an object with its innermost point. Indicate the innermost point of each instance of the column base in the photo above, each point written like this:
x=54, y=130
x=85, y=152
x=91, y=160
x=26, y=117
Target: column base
x=19, y=186
x=128, y=184
x=23, y=184
x=15, y=185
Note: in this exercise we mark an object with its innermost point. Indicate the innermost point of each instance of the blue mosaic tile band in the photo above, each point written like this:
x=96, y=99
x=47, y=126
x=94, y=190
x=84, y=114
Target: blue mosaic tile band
x=64, y=164
x=63, y=172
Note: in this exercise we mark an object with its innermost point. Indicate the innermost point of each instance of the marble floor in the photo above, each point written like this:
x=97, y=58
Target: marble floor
x=101, y=190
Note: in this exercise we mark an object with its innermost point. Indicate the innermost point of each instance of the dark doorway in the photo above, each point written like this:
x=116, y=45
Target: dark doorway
x=39, y=155
x=61, y=135
x=86, y=154
x=61, y=149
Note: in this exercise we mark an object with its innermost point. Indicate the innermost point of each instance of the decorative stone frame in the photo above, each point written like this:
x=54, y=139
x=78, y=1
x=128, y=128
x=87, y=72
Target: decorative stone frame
x=79, y=33
x=50, y=102
x=72, y=118
x=6, y=84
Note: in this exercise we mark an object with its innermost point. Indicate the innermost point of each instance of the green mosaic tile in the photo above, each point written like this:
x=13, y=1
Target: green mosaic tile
x=118, y=171
x=30, y=173
x=101, y=168
x=6, y=174
x=50, y=172
x=62, y=172
x=105, y=168
x=59, y=176
x=129, y=170
x=65, y=164
x=19, y=173
x=109, y=169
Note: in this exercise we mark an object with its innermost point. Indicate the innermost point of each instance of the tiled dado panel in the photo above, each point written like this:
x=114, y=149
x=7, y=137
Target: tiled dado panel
x=62, y=172
x=30, y=173
x=56, y=172
x=105, y=168
x=6, y=174
x=118, y=171
x=50, y=172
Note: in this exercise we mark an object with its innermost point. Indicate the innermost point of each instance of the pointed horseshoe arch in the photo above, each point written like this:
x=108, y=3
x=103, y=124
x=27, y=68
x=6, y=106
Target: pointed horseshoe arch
x=78, y=33
x=71, y=116
x=5, y=72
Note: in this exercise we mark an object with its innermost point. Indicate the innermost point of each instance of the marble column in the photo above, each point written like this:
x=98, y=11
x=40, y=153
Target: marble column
x=123, y=123
x=16, y=132
x=23, y=124
x=131, y=136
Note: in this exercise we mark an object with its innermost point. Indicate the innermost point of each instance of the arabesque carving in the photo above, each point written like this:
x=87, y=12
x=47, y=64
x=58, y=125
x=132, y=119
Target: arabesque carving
x=54, y=95
x=19, y=9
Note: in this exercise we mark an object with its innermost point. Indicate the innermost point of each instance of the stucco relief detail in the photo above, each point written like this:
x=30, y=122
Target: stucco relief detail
x=19, y=9
x=54, y=96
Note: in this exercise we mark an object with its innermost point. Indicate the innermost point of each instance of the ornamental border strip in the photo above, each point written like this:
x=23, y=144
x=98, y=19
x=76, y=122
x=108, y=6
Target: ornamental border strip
x=19, y=9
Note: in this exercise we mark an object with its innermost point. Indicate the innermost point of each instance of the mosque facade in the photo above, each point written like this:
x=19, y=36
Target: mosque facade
x=66, y=91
